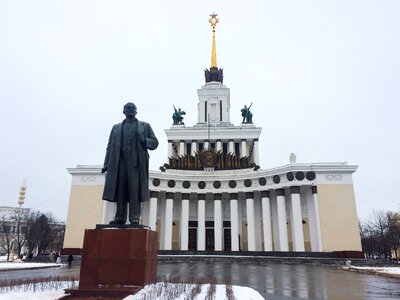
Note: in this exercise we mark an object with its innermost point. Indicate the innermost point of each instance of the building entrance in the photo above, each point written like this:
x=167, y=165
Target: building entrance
x=192, y=239
x=227, y=239
x=209, y=239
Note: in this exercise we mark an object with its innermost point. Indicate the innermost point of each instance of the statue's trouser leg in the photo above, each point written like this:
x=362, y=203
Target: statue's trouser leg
x=121, y=194
x=133, y=192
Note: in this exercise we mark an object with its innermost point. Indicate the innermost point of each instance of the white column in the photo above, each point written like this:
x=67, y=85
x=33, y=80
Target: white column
x=184, y=222
x=314, y=220
x=241, y=209
x=231, y=147
x=181, y=148
x=266, y=216
x=206, y=144
x=162, y=223
x=201, y=228
x=244, y=149
x=251, y=236
x=234, y=222
x=296, y=220
x=217, y=222
x=274, y=221
x=256, y=153
x=169, y=210
x=153, y=211
x=282, y=226
x=194, y=148
x=257, y=221
x=219, y=145
x=311, y=220
x=170, y=149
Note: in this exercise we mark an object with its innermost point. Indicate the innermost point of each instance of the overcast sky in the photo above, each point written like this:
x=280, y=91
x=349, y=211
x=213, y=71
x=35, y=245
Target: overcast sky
x=323, y=76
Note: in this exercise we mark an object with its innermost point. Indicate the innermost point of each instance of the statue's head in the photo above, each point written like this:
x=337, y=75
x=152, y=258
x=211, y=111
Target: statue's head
x=130, y=110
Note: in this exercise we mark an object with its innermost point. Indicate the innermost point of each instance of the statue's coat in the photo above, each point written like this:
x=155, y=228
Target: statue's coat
x=111, y=161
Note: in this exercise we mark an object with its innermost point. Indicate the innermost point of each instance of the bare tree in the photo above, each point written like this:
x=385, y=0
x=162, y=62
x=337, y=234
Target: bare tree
x=20, y=233
x=6, y=238
x=58, y=229
x=368, y=240
x=378, y=223
x=380, y=235
x=44, y=232
x=393, y=225
x=32, y=234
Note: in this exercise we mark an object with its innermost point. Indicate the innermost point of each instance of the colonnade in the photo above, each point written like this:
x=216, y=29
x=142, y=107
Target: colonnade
x=267, y=211
x=244, y=146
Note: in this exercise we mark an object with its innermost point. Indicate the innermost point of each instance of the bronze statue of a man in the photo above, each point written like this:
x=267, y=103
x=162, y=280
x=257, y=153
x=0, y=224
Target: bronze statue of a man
x=127, y=165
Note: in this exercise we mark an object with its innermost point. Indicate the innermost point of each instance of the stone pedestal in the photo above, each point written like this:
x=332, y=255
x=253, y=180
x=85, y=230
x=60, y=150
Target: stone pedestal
x=116, y=262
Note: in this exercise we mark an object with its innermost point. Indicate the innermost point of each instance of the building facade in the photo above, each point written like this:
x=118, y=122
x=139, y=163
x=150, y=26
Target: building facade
x=211, y=195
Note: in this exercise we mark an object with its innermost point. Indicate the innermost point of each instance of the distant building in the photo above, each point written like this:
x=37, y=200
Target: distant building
x=212, y=195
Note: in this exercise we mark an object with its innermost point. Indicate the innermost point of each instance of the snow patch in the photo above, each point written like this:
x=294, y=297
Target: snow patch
x=240, y=293
x=385, y=270
x=26, y=265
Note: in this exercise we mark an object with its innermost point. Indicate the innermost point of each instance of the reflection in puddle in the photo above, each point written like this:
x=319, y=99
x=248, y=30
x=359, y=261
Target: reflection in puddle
x=290, y=281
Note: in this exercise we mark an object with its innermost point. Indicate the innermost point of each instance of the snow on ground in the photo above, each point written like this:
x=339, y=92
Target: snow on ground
x=26, y=265
x=19, y=264
x=383, y=270
x=39, y=291
x=240, y=292
x=47, y=295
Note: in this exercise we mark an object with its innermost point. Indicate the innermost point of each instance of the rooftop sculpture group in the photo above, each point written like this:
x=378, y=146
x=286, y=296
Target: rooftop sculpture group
x=247, y=115
x=177, y=116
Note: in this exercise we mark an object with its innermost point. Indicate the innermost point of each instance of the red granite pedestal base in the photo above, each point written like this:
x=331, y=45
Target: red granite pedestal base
x=116, y=263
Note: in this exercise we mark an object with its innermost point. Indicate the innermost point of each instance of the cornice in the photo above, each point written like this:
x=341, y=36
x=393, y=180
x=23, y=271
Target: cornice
x=201, y=133
x=85, y=169
x=317, y=167
x=324, y=173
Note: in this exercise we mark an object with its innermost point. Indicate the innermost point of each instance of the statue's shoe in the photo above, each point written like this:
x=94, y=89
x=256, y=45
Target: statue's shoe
x=116, y=222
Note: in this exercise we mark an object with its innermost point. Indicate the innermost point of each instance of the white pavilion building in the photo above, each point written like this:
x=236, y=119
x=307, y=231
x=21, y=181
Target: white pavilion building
x=211, y=195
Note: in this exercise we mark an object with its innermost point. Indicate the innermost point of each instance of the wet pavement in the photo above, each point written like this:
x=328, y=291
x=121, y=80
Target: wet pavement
x=273, y=281
x=289, y=281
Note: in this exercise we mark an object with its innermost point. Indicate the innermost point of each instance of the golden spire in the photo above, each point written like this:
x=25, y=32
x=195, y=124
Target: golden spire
x=213, y=21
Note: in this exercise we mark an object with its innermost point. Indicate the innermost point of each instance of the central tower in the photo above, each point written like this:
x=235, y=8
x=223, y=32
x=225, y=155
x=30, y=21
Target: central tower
x=230, y=146
x=214, y=97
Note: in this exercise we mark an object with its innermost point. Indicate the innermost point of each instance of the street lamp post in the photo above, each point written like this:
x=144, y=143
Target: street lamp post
x=21, y=200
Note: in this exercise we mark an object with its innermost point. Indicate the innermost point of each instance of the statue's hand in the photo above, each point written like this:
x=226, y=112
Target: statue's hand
x=142, y=139
x=103, y=170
